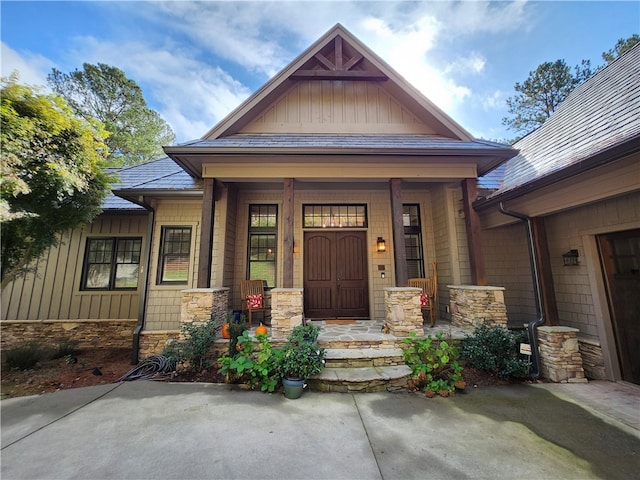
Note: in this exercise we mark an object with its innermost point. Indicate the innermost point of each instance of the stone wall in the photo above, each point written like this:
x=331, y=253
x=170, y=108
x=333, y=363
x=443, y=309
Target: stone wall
x=287, y=311
x=403, y=311
x=472, y=305
x=560, y=358
x=202, y=304
x=154, y=342
x=88, y=333
x=592, y=359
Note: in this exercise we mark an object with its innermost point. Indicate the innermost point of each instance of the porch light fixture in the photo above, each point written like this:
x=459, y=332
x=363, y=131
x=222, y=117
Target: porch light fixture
x=381, y=246
x=570, y=259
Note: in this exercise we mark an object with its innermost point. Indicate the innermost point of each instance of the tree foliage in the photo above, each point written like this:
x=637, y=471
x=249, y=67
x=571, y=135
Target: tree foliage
x=52, y=178
x=621, y=46
x=103, y=92
x=541, y=93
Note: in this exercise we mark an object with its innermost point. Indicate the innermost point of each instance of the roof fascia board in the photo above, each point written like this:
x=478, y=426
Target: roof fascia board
x=279, y=84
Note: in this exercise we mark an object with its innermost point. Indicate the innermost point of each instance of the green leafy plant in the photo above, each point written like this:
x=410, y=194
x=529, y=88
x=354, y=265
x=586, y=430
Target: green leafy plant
x=434, y=365
x=495, y=349
x=235, y=331
x=26, y=356
x=66, y=347
x=192, y=350
x=301, y=357
x=253, y=363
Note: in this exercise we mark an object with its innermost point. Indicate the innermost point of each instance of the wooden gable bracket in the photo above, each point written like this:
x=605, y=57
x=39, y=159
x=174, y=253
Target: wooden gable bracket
x=338, y=70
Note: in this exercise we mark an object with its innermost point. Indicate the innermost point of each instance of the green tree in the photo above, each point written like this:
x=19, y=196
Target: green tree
x=541, y=93
x=52, y=178
x=103, y=92
x=621, y=46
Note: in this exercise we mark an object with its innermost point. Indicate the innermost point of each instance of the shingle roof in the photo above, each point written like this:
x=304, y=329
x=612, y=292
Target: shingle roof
x=601, y=113
x=160, y=174
x=343, y=141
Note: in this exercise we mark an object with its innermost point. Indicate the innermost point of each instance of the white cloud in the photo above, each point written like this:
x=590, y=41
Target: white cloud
x=493, y=101
x=197, y=61
x=192, y=96
x=32, y=68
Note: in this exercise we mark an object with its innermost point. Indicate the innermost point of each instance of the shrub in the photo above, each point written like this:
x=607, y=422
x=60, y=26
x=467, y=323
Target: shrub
x=301, y=357
x=235, y=331
x=192, y=350
x=66, y=347
x=26, y=356
x=434, y=365
x=260, y=365
x=495, y=349
x=253, y=363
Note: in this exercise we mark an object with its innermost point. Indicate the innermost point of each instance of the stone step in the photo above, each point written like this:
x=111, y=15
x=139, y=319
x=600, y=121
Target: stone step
x=361, y=379
x=377, y=343
x=363, y=357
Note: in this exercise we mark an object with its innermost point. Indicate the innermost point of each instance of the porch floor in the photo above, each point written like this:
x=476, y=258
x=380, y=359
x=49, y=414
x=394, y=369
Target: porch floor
x=367, y=330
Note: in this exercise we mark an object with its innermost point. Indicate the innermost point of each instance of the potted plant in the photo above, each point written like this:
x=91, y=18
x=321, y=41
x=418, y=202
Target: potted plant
x=299, y=359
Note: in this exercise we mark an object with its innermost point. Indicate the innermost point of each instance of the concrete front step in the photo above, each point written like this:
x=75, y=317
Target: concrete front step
x=363, y=357
x=361, y=379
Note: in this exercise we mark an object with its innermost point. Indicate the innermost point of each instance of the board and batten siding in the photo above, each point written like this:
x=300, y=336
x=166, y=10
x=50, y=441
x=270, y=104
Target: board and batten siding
x=52, y=291
x=323, y=106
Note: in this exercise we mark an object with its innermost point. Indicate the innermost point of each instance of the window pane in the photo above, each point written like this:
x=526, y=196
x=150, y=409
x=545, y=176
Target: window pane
x=126, y=276
x=263, y=241
x=263, y=271
x=104, y=271
x=176, y=247
x=98, y=276
x=334, y=216
x=413, y=240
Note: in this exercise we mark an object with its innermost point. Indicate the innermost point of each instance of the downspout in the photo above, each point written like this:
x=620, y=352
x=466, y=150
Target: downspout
x=142, y=307
x=537, y=291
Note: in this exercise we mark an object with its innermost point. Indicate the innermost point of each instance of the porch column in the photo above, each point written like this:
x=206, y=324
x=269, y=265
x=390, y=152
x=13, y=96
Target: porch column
x=397, y=225
x=474, y=233
x=549, y=304
x=206, y=234
x=287, y=244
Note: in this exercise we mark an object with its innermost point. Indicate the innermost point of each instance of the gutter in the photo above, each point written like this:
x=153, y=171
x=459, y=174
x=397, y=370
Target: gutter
x=537, y=290
x=142, y=307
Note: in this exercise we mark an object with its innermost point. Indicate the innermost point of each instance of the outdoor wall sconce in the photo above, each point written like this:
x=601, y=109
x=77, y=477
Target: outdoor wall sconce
x=381, y=246
x=570, y=259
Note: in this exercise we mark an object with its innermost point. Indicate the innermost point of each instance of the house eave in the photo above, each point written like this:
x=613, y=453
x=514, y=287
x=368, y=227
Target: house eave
x=192, y=159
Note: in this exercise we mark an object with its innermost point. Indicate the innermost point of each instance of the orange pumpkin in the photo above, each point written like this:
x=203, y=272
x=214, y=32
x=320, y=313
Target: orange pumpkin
x=261, y=330
x=225, y=330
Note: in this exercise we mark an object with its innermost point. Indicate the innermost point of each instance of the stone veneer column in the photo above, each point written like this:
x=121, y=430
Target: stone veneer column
x=287, y=311
x=403, y=311
x=560, y=358
x=472, y=305
x=202, y=304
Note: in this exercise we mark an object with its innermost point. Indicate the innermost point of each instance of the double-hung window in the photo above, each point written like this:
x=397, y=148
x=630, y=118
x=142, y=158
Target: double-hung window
x=413, y=240
x=175, y=254
x=111, y=263
x=263, y=241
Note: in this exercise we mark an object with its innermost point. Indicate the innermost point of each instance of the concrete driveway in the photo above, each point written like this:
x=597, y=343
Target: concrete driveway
x=149, y=430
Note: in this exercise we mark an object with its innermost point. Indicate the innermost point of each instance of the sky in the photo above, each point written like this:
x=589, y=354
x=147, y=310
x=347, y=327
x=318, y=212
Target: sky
x=197, y=61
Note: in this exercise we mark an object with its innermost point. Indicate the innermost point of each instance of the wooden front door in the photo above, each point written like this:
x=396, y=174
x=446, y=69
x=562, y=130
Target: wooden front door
x=335, y=275
x=620, y=253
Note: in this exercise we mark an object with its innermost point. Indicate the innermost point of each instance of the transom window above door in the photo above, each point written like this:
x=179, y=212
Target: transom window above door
x=334, y=216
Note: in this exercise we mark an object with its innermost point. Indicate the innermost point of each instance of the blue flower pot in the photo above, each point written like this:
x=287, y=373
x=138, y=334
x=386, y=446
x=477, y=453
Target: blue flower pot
x=293, y=387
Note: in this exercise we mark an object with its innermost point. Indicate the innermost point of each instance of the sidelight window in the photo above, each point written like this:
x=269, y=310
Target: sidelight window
x=413, y=240
x=262, y=245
